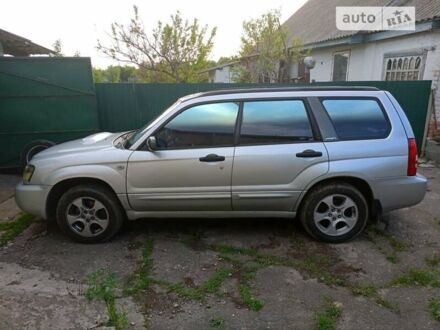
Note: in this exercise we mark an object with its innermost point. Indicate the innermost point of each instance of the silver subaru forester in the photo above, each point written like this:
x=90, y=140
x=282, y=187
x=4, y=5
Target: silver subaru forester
x=334, y=157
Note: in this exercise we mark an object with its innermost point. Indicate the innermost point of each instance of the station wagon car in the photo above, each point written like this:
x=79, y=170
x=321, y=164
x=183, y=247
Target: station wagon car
x=331, y=157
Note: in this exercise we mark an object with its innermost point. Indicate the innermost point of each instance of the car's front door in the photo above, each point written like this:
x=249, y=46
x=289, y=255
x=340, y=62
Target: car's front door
x=192, y=166
x=278, y=153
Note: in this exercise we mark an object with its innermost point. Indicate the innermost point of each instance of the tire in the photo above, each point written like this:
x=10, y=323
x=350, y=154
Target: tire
x=76, y=218
x=31, y=149
x=334, y=213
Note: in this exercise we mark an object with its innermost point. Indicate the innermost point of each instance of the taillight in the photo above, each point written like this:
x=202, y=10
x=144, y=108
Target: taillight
x=412, y=157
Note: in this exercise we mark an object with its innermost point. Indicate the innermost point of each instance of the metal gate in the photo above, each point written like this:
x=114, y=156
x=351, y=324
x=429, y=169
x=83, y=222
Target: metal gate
x=44, y=98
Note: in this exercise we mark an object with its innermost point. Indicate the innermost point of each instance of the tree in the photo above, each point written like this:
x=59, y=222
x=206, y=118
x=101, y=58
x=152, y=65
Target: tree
x=57, y=48
x=172, y=52
x=116, y=74
x=266, y=53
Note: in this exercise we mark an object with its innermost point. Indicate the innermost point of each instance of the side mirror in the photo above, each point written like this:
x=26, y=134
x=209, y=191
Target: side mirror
x=152, y=143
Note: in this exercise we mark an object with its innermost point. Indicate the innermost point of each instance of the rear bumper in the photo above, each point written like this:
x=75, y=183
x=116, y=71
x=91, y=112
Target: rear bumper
x=32, y=199
x=397, y=193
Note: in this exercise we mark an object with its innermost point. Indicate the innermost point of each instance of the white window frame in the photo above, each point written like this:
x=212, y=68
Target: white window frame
x=348, y=63
x=401, y=67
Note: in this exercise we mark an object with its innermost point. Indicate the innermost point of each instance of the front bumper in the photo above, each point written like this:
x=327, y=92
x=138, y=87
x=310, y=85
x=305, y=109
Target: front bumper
x=32, y=198
x=397, y=193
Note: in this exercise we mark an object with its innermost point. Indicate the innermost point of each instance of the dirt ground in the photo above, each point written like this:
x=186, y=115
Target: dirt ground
x=224, y=274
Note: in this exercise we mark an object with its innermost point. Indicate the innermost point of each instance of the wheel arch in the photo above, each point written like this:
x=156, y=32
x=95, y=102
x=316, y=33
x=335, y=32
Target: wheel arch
x=359, y=183
x=62, y=186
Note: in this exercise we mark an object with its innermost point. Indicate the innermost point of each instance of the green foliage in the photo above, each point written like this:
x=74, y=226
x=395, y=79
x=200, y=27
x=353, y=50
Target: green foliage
x=210, y=286
x=180, y=290
x=266, y=53
x=327, y=319
x=318, y=266
x=433, y=261
x=217, y=323
x=141, y=279
x=102, y=286
x=172, y=52
x=57, y=48
x=370, y=291
x=245, y=290
x=366, y=291
x=434, y=305
x=11, y=229
x=386, y=243
x=116, y=74
x=392, y=258
x=226, y=59
x=418, y=277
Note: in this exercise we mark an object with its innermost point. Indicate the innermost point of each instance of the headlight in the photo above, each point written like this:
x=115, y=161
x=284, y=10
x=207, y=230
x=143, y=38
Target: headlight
x=27, y=173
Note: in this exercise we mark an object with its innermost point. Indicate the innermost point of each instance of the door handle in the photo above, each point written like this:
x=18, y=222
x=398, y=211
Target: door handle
x=309, y=153
x=212, y=158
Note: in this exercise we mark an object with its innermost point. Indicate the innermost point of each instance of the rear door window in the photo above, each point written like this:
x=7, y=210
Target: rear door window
x=356, y=119
x=277, y=121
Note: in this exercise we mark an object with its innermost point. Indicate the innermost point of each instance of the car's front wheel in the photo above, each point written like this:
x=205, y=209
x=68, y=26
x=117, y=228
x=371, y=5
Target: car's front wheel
x=89, y=214
x=334, y=213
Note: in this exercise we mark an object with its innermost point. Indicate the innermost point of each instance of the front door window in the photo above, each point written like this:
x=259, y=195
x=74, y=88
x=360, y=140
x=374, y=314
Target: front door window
x=201, y=126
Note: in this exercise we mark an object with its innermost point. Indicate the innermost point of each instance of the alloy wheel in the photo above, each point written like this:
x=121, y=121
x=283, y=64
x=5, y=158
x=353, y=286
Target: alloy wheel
x=87, y=216
x=336, y=215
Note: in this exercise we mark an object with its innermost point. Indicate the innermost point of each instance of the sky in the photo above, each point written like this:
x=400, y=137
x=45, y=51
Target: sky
x=80, y=23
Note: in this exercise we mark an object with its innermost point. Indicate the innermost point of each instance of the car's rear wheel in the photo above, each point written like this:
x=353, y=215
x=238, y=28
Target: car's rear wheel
x=89, y=214
x=334, y=212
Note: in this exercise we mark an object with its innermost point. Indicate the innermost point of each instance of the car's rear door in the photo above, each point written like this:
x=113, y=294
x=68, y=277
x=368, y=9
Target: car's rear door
x=277, y=154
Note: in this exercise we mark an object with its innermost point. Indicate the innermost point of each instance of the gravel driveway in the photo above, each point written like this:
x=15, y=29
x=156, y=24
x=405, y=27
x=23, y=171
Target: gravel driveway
x=225, y=274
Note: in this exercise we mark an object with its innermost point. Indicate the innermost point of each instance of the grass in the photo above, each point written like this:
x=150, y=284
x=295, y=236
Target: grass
x=210, y=286
x=141, y=280
x=316, y=266
x=102, y=286
x=434, y=305
x=245, y=289
x=368, y=291
x=393, y=258
x=217, y=323
x=433, y=261
x=371, y=292
x=11, y=229
x=375, y=236
x=327, y=319
x=180, y=290
x=418, y=277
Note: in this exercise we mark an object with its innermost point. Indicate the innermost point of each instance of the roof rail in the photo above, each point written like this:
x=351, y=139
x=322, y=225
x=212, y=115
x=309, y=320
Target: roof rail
x=285, y=89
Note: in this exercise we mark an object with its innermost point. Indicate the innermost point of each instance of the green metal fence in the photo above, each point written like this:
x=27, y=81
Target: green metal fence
x=44, y=98
x=124, y=107
x=54, y=99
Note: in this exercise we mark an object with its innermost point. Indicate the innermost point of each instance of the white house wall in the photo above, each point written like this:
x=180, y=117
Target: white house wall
x=222, y=75
x=366, y=60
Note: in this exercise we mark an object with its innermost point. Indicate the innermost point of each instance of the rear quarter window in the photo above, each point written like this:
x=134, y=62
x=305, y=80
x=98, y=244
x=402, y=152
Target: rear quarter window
x=357, y=119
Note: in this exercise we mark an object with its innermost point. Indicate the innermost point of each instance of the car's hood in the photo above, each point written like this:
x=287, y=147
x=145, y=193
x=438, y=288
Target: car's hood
x=90, y=143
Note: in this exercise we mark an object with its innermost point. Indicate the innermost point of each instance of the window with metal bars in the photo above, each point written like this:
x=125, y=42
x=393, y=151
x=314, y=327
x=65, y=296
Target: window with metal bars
x=408, y=67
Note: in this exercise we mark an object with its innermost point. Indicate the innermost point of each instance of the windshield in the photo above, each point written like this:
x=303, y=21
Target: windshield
x=141, y=131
